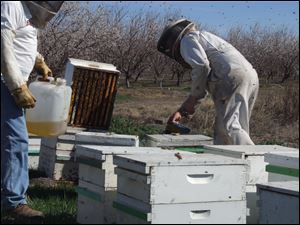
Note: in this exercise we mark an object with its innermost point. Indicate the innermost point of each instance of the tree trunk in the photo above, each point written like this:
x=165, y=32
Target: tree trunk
x=127, y=82
x=161, y=84
x=178, y=80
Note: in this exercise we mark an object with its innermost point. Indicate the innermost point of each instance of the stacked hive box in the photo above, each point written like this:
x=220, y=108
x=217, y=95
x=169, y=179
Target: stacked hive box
x=96, y=187
x=57, y=156
x=97, y=181
x=34, y=152
x=169, y=140
x=194, y=188
x=255, y=170
x=279, y=202
x=57, y=153
x=282, y=166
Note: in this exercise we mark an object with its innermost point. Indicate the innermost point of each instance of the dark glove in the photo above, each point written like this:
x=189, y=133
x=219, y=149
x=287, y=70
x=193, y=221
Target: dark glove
x=23, y=97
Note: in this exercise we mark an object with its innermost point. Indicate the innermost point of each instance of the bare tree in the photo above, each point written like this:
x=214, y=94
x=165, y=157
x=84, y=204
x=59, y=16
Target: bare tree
x=112, y=35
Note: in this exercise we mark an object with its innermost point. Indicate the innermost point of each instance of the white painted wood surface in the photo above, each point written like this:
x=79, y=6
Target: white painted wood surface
x=169, y=140
x=286, y=159
x=95, y=211
x=96, y=162
x=87, y=65
x=58, y=164
x=34, y=141
x=110, y=139
x=183, y=184
x=141, y=164
x=242, y=151
x=33, y=162
x=256, y=169
x=102, y=176
x=98, y=152
x=232, y=212
x=64, y=142
x=34, y=145
x=279, y=202
x=252, y=208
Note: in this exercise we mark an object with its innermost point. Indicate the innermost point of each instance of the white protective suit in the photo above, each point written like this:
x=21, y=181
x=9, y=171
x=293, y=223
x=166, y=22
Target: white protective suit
x=222, y=70
x=18, y=44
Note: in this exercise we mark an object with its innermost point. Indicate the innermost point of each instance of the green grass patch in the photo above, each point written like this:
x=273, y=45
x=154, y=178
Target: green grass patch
x=123, y=125
x=272, y=142
x=121, y=98
x=59, y=204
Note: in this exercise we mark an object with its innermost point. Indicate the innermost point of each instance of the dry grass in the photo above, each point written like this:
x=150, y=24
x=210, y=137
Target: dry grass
x=275, y=118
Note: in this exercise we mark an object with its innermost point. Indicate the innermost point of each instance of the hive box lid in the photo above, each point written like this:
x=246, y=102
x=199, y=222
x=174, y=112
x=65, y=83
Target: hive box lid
x=34, y=141
x=62, y=139
x=107, y=139
x=178, y=140
x=241, y=151
x=285, y=159
x=91, y=65
x=286, y=187
x=97, y=152
x=141, y=163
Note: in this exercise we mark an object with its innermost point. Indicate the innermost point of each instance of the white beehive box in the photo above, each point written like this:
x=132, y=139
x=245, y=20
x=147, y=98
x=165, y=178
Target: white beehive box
x=62, y=165
x=94, y=205
x=34, y=145
x=169, y=140
x=131, y=211
x=57, y=157
x=96, y=162
x=283, y=166
x=164, y=180
x=110, y=139
x=279, y=202
x=97, y=170
x=254, y=154
x=58, y=164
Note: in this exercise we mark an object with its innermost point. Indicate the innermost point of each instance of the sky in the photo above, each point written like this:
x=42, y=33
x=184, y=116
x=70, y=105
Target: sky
x=223, y=15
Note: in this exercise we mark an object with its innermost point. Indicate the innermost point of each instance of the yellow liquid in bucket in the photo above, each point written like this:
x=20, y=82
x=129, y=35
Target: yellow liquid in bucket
x=47, y=129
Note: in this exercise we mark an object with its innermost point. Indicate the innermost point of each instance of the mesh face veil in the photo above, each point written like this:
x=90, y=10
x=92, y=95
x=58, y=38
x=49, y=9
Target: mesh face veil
x=42, y=11
x=169, y=41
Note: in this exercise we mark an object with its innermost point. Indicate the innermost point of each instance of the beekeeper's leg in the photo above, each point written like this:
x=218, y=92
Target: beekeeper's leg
x=233, y=111
x=14, y=152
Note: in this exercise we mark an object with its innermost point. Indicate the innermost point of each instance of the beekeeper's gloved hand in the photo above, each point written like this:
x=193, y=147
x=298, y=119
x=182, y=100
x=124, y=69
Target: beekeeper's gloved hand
x=23, y=97
x=187, y=109
x=41, y=67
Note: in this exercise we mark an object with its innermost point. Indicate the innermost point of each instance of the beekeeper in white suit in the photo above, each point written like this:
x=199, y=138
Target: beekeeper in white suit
x=220, y=69
x=19, y=23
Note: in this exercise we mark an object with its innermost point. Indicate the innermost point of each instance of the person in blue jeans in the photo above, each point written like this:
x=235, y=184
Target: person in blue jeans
x=19, y=23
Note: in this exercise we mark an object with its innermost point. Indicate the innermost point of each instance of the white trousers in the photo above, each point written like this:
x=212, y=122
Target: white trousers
x=234, y=87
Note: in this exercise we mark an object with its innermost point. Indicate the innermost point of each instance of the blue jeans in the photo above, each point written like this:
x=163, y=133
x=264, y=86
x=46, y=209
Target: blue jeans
x=14, y=152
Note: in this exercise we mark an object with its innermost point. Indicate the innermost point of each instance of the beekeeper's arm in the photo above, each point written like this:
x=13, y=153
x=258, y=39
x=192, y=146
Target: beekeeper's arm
x=41, y=67
x=193, y=53
x=10, y=70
